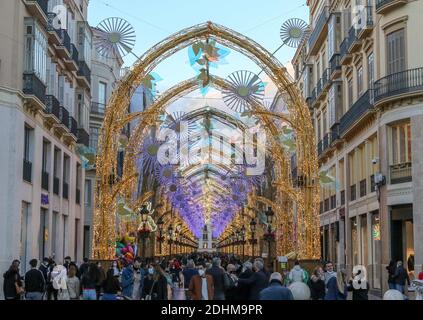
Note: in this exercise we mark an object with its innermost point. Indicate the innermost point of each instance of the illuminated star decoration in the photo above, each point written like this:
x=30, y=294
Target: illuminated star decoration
x=203, y=55
x=246, y=88
x=114, y=37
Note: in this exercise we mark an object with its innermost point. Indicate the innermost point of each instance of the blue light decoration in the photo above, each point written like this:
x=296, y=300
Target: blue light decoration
x=150, y=83
x=88, y=156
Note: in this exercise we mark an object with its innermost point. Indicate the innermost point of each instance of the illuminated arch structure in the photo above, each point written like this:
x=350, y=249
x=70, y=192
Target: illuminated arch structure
x=296, y=200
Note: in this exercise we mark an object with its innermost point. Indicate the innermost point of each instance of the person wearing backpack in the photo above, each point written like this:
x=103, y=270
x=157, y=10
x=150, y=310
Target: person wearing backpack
x=35, y=283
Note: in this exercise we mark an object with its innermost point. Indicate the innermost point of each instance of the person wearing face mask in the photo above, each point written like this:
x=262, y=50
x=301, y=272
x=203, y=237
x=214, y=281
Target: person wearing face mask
x=148, y=283
x=128, y=280
x=115, y=268
x=201, y=285
x=139, y=274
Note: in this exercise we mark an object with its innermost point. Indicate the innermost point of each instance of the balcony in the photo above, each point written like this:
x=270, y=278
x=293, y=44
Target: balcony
x=398, y=85
x=353, y=192
x=354, y=43
x=27, y=170
x=44, y=180
x=363, y=188
x=35, y=90
x=78, y=196
x=54, y=35
x=72, y=125
x=52, y=111
x=384, y=6
x=65, y=192
x=64, y=48
x=326, y=79
x=72, y=62
x=83, y=137
x=38, y=9
x=335, y=66
x=98, y=108
x=64, y=116
x=319, y=31
x=56, y=185
x=345, y=57
x=334, y=135
x=401, y=173
x=365, y=22
x=84, y=75
x=358, y=111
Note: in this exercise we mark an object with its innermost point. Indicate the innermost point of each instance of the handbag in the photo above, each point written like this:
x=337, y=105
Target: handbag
x=19, y=290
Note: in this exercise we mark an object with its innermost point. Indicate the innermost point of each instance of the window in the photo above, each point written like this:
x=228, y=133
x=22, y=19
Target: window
x=87, y=193
x=319, y=129
x=401, y=143
x=27, y=143
x=65, y=236
x=360, y=81
x=350, y=93
x=370, y=70
x=94, y=133
x=45, y=156
x=54, y=232
x=332, y=106
x=42, y=233
x=102, y=93
x=25, y=232
x=35, y=50
x=331, y=36
x=325, y=122
x=395, y=51
x=85, y=43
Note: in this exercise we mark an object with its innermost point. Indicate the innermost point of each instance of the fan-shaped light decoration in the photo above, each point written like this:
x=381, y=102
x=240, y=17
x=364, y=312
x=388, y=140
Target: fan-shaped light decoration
x=247, y=87
x=294, y=31
x=164, y=174
x=114, y=36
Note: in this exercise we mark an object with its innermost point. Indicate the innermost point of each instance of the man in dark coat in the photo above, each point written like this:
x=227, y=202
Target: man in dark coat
x=35, y=283
x=218, y=275
x=276, y=291
x=243, y=290
x=257, y=282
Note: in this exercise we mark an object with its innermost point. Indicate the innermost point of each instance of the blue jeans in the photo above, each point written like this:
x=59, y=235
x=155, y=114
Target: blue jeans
x=399, y=287
x=34, y=296
x=391, y=285
x=109, y=296
x=89, y=294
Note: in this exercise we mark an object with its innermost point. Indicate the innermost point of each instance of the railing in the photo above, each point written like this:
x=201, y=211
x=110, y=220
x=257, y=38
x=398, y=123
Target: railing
x=78, y=196
x=73, y=126
x=320, y=24
x=98, y=108
x=65, y=190
x=42, y=3
x=358, y=109
x=34, y=86
x=401, y=173
x=353, y=192
x=380, y=4
x=334, y=133
x=335, y=64
x=326, y=141
x=44, y=180
x=325, y=78
x=345, y=44
x=53, y=106
x=27, y=170
x=342, y=197
x=56, y=185
x=319, y=88
x=84, y=71
x=75, y=54
x=352, y=36
x=83, y=137
x=65, y=39
x=363, y=188
x=368, y=16
x=64, y=116
x=320, y=147
x=407, y=81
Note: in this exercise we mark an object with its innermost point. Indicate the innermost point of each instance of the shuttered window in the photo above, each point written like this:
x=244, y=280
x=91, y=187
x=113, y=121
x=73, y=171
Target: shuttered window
x=396, y=51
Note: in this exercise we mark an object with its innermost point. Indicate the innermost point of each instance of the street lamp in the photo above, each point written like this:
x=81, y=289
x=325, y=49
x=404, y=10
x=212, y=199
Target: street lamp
x=160, y=224
x=269, y=236
x=170, y=233
x=253, y=225
x=144, y=232
x=243, y=241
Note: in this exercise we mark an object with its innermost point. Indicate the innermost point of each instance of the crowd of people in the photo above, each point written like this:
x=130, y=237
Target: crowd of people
x=189, y=277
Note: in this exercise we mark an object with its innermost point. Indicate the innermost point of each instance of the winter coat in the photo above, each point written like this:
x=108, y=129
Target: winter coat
x=276, y=291
x=297, y=274
x=34, y=281
x=196, y=285
x=243, y=290
x=401, y=276
x=256, y=283
x=333, y=292
x=9, y=288
x=127, y=282
x=317, y=288
x=218, y=280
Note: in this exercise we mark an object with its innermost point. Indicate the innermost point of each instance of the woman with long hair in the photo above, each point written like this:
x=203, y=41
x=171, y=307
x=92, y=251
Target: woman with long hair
x=89, y=282
x=159, y=290
x=317, y=284
x=12, y=285
x=73, y=283
x=111, y=286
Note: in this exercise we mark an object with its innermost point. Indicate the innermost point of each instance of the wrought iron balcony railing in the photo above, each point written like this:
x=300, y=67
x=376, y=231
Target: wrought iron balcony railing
x=73, y=126
x=98, y=108
x=318, y=28
x=65, y=39
x=404, y=82
x=83, y=137
x=335, y=64
x=358, y=110
x=383, y=6
x=53, y=106
x=64, y=116
x=34, y=86
x=84, y=71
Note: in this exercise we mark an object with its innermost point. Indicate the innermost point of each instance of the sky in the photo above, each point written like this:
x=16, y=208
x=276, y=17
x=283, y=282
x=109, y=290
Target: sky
x=155, y=20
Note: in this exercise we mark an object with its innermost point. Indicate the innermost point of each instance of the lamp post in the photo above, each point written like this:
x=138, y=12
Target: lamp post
x=243, y=241
x=170, y=233
x=269, y=215
x=160, y=224
x=144, y=232
x=253, y=225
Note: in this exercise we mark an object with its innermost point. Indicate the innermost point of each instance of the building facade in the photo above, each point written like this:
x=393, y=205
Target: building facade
x=44, y=110
x=361, y=74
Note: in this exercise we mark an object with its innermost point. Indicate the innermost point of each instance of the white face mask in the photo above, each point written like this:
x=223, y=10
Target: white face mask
x=201, y=272
x=150, y=270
